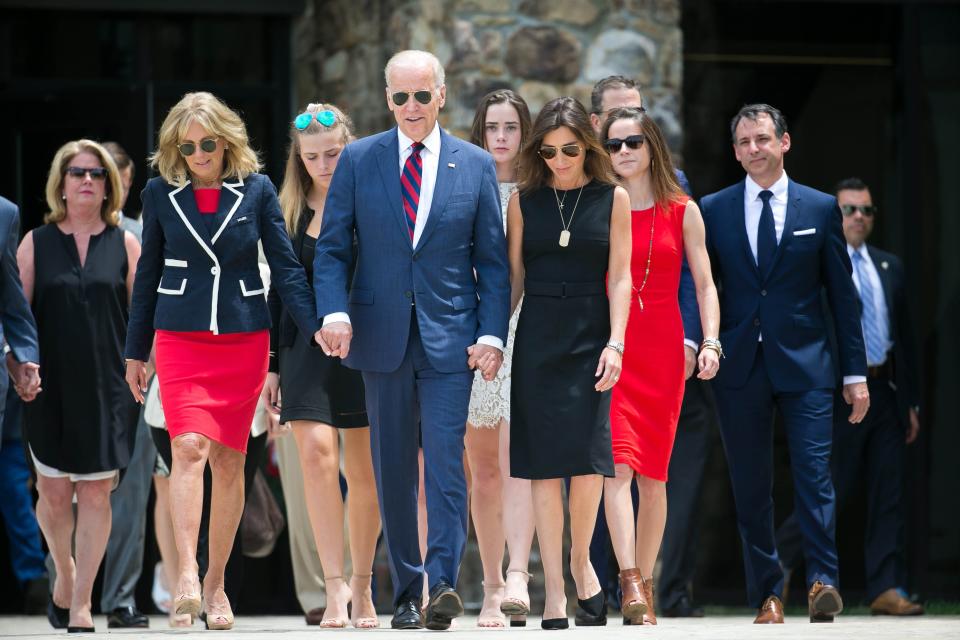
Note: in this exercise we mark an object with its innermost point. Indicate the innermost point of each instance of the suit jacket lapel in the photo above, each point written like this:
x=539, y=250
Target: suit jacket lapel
x=185, y=205
x=230, y=197
x=389, y=163
x=442, y=186
x=738, y=212
x=885, y=282
x=789, y=223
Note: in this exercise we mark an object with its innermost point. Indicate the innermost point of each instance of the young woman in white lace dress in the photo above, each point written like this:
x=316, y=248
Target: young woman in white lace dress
x=501, y=506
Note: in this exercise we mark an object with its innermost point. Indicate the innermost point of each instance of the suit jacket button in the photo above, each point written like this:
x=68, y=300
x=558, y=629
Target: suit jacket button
x=408, y=294
x=214, y=270
x=756, y=322
x=763, y=292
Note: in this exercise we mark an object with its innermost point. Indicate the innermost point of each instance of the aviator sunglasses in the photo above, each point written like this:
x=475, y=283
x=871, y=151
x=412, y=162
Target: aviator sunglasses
x=549, y=153
x=850, y=209
x=207, y=145
x=98, y=173
x=612, y=145
x=424, y=96
x=325, y=117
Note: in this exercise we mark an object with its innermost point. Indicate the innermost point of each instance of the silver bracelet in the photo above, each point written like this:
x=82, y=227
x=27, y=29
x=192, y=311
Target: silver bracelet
x=616, y=346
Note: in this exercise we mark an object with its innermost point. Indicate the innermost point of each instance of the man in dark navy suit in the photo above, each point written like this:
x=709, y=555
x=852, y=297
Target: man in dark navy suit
x=774, y=246
x=873, y=451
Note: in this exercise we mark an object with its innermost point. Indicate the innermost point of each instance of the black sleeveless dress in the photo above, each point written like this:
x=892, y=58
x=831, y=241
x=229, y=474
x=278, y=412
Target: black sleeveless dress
x=84, y=420
x=559, y=425
x=313, y=386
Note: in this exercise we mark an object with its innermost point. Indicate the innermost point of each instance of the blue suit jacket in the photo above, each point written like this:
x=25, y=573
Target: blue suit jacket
x=457, y=276
x=18, y=329
x=687, y=295
x=191, y=280
x=785, y=303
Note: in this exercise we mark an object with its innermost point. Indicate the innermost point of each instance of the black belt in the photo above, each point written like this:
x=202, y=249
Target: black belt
x=884, y=370
x=564, y=289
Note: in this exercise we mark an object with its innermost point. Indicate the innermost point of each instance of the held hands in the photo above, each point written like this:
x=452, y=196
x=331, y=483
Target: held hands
x=137, y=378
x=25, y=376
x=856, y=394
x=486, y=359
x=709, y=362
x=335, y=338
x=608, y=369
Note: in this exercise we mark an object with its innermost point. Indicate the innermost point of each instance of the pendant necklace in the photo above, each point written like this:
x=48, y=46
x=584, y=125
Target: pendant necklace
x=565, y=233
x=646, y=273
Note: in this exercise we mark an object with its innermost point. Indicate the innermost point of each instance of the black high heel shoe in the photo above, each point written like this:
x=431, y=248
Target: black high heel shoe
x=592, y=612
x=59, y=617
x=554, y=624
x=81, y=629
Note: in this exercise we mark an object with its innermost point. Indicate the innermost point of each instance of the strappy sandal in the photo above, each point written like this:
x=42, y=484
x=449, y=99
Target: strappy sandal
x=363, y=622
x=491, y=618
x=334, y=623
x=517, y=607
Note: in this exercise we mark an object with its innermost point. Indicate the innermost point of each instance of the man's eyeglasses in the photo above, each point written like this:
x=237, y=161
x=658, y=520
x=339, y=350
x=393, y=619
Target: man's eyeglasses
x=866, y=209
x=98, y=173
x=549, y=153
x=612, y=145
x=207, y=145
x=424, y=96
x=326, y=117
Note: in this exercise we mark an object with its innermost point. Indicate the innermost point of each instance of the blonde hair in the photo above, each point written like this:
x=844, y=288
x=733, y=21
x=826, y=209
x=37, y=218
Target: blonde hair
x=296, y=180
x=58, y=170
x=239, y=160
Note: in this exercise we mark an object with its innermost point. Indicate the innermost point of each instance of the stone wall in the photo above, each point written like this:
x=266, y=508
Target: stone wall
x=540, y=48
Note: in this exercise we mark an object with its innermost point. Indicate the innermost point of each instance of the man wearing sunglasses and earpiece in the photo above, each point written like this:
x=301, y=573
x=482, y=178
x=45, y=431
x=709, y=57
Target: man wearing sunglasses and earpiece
x=428, y=303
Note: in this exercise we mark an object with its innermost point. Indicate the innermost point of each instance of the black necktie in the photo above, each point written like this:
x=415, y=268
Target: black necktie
x=766, y=234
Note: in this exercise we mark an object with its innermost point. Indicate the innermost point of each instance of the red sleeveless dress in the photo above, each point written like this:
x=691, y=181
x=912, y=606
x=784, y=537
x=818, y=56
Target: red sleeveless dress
x=646, y=401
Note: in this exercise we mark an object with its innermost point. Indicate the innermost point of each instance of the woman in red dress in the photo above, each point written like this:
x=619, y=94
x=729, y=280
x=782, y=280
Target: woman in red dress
x=198, y=287
x=646, y=402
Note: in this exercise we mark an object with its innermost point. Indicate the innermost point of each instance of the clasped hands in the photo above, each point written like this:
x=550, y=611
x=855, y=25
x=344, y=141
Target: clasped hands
x=485, y=359
x=25, y=376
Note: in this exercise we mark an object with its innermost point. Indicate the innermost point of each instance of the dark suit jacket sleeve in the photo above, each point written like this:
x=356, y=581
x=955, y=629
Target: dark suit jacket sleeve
x=490, y=259
x=276, y=311
x=19, y=328
x=689, y=309
x=143, y=305
x=287, y=276
x=842, y=294
x=905, y=335
x=334, y=254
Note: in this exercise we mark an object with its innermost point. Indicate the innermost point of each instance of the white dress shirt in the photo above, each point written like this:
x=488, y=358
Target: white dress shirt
x=753, y=206
x=879, y=297
x=430, y=157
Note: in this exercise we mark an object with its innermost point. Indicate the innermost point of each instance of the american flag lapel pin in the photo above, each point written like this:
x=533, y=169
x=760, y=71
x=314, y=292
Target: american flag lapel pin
x=452, y=165
x=885, y=264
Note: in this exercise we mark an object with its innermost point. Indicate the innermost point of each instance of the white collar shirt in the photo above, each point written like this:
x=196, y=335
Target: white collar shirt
x=430, y=155
x=753, y=205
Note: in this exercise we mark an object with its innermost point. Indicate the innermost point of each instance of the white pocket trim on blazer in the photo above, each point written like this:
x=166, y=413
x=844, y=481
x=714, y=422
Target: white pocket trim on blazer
x=173, y=292
x=247, y=293
x=172, y=262
x=805, y=232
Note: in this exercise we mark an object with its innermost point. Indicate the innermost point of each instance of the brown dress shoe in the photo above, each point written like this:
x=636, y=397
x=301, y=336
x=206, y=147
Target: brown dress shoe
x=891, y=603
x=771, y=612
x=314, y=616
x=823, y=602
x=633, y=601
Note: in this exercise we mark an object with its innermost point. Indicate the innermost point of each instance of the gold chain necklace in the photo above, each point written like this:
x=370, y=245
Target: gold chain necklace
x=646, y=273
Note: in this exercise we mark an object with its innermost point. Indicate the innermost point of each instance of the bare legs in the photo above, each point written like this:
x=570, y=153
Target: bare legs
x=318, y=445
x=169, y=558
x=584, y=499
x=482, y=446
x=635, y=543
x=518, y=524
x=74, y=584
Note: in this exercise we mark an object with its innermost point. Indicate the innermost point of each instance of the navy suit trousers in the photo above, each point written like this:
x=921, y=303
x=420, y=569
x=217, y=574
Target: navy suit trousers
x=417, y=398
x=746, y=427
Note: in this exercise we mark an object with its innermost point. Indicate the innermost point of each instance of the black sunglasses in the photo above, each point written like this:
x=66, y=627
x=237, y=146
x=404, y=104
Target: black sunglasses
x=98, y=173
x=208, y=145
x=549, y=153
x=850, y=209
x=423, y=96
x=612, y=145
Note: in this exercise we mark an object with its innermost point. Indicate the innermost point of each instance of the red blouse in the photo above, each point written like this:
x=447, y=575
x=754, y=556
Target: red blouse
x=207, y=200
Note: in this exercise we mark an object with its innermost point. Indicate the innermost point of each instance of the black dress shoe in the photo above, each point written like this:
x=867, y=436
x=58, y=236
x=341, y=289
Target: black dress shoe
x=58, y=616
x=592, y=612
x=407, y=615
x=127, y=618
x=443, y=607
x=684, y=608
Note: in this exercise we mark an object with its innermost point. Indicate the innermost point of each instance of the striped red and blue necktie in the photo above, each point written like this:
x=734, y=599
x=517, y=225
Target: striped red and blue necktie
x=410, y=185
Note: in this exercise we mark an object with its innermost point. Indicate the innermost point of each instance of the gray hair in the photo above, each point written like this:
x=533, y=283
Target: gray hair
x=413, y=58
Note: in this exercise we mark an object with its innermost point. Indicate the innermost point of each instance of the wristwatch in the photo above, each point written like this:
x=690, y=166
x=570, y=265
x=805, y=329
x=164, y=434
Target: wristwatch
x=616, y=346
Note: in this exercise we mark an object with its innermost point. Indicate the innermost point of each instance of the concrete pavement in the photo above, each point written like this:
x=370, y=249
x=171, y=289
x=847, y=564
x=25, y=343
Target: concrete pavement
x=714, y=628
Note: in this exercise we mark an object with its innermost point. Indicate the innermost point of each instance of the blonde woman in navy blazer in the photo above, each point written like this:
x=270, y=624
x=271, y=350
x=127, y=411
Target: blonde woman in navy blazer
x=198, y=288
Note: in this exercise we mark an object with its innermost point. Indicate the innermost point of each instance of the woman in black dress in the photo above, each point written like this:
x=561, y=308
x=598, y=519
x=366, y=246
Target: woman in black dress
x=77, y=273
x=316, y=395
x=569, y=242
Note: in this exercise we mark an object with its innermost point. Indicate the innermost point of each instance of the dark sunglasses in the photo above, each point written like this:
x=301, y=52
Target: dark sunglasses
x=850, y=209
x=208, y=145
x=423, y=97
x=98, y=173
x=569, y=150
x=612, y=145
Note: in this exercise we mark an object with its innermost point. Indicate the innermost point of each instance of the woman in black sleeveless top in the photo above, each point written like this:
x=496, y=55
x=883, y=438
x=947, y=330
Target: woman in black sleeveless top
x=77, y=272
x=568, y=233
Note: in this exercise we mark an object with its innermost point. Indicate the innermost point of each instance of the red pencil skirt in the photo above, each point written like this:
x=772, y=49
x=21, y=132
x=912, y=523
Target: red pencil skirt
x=210, y=384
